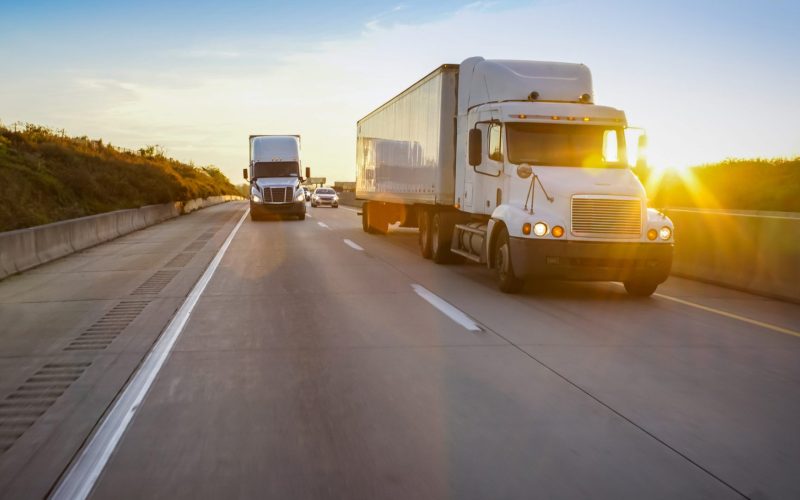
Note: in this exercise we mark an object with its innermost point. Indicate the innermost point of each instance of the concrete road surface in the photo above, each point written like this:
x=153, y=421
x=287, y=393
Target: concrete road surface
x=322, y=362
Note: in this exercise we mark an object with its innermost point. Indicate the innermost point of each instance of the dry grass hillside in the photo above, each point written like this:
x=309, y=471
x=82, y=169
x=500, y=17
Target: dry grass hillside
x=46, y=176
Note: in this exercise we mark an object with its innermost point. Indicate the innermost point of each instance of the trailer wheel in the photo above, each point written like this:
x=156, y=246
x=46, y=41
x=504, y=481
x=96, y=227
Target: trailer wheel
x=425, y=234
x=639, y=288
x=507, y=281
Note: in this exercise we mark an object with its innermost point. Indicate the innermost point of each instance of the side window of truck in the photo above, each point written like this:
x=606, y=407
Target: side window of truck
x=495, y=143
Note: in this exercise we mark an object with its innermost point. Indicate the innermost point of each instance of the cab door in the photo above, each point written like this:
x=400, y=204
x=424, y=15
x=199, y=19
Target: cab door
x=488, y=180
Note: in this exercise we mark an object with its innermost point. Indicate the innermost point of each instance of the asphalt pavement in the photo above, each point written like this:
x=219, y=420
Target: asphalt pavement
x=323, y=362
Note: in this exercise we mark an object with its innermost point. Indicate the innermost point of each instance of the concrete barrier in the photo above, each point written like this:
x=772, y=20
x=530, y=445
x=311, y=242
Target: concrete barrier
x=350, y=200
x=758, y=252
x=24, y=249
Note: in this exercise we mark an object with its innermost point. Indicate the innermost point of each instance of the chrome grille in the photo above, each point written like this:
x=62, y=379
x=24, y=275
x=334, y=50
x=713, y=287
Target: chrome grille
x=610, y=217
x=277, y=195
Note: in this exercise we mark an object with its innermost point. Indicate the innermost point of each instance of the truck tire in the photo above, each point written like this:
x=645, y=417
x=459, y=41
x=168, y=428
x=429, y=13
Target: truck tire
x=507, y=281
x=364, y=217
x=425, y=234
x=301, y=217
x=441, y=235
x=640, y=288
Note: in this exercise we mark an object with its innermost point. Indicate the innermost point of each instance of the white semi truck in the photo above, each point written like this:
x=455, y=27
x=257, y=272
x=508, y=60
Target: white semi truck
x=512, y=165
x=275, y=179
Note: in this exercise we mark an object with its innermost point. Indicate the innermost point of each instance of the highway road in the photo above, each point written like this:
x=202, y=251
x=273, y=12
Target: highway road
x=312, y=360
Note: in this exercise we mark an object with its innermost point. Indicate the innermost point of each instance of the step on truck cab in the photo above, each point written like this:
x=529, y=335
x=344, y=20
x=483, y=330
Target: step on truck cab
x=275, y=178
x=512, y=165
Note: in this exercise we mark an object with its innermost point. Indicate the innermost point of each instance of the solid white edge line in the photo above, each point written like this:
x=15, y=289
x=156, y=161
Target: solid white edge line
x=82, y=475
x=448, y=309
x=353, y=244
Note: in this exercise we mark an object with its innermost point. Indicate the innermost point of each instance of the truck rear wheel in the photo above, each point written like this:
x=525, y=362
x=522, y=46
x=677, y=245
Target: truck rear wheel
x=640, y=288
x=441, y=235
x=507, y=281
x=425, y=233
x=364, y=217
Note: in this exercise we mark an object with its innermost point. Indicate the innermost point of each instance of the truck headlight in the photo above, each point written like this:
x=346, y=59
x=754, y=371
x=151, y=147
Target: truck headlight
x=540, y=229
x=256, y=198
x=665, y=233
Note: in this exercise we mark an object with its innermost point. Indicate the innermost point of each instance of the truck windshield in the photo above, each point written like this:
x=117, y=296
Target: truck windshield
x=565, y=145
x=276, y=169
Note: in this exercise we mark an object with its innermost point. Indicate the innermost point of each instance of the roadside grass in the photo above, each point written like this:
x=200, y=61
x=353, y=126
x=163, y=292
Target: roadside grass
x=46, y=176
x=736, y=184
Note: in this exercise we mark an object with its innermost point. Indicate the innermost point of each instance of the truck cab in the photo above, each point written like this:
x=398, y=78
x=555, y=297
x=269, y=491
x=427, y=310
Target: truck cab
x=275, y=176
x=546, y=178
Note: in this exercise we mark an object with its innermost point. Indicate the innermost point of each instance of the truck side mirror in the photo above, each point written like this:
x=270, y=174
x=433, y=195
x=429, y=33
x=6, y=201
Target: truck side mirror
x=475, y=146
x=244, y=173
x=308, y=172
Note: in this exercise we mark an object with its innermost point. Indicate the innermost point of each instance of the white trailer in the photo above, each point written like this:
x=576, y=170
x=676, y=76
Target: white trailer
x=275, y=178
x=512, y=165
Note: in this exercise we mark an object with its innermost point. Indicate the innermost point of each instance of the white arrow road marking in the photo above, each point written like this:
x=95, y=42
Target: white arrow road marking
x=82, y=475
x=448, y=309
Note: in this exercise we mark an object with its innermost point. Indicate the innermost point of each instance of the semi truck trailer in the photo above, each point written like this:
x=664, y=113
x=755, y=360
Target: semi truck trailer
x=274, y=175
x=512, y=165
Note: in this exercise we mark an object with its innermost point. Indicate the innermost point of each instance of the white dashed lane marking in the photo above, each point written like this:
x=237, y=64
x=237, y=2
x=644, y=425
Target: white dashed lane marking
x=448, y=309
x=353, y=245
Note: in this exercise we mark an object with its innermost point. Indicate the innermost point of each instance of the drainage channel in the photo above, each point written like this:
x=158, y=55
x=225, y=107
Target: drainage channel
x=23, y=407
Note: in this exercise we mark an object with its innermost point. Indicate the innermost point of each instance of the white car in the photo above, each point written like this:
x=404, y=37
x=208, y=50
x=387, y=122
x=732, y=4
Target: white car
x=325, y=196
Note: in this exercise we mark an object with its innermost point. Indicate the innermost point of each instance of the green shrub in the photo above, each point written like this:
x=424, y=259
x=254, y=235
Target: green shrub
x=739, y=184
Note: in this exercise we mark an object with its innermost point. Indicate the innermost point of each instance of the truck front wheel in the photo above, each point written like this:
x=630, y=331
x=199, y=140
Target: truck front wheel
x=507, y=281
x=640, y=288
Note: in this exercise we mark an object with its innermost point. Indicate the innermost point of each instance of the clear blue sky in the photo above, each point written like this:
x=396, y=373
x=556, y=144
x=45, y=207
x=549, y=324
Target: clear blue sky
x=707, y=79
